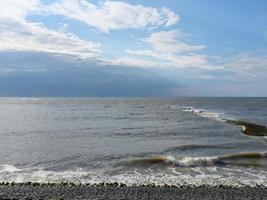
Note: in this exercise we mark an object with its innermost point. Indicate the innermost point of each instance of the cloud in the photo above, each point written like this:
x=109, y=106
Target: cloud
x=18, y=34
x=132, y=62
x=18, y=9
x=168, y=41
x=246, y=66
x=172, y=60
x=113, y=15
x=168, y=51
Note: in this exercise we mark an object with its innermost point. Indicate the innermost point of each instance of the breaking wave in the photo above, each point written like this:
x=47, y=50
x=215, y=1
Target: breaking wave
x=209, y=175
x=178, y=162
x=200, y=112
x=230, y=159
x=247, y=128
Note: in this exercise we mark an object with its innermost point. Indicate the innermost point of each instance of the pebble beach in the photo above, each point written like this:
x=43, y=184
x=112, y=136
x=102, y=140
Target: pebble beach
x=115, y=191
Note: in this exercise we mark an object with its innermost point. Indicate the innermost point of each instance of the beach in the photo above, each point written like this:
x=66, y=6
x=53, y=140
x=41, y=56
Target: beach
x=116, y=192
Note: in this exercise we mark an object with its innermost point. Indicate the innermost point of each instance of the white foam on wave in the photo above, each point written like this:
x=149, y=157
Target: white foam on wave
x=209, y=176
x=8, y=168
x=10, y=173
x=203, y=112
x=194, y=161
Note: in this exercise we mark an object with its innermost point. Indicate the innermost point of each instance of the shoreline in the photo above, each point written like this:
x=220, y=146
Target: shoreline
x=116, y=191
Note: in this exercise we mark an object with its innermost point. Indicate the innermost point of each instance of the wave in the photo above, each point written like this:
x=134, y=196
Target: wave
x=198, y=146
x=210, y=176
x=177, y=162
x=201, y=112
x=10, y=173
x=248, y=128
x=178, y=171
x=8, y=168
x=246, y=155
x=228, y=159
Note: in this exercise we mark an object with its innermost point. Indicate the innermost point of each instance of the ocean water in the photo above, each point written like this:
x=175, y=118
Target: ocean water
x=178, y=141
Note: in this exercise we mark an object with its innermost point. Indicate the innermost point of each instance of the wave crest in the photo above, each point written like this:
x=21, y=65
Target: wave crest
x=229, y=159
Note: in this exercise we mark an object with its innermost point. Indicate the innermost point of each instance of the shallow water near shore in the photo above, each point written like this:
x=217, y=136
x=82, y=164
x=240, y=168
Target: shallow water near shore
x=182, y=141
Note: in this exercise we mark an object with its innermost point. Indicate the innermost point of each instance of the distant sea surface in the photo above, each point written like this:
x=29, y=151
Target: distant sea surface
x=178, y=141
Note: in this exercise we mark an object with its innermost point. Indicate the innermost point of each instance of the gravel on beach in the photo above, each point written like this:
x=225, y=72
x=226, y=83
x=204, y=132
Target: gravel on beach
x=116, y=192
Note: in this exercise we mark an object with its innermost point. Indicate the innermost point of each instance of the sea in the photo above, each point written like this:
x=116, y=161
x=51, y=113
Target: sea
x=133, y=141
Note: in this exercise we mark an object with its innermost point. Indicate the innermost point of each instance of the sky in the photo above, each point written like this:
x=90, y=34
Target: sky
x=134, y=48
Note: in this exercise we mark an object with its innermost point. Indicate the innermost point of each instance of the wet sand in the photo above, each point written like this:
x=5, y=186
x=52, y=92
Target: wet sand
x=116, y=192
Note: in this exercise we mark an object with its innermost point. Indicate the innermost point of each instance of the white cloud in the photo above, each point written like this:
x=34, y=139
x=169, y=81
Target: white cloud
x=150, y=53
x=113, y=15
x=132, y=62
x=63, y=27
x=246, y=66
x=174, y=61
x=170, y=52
x=18, y=9
x=23, y=36
x=168, y=41
x=18, y=34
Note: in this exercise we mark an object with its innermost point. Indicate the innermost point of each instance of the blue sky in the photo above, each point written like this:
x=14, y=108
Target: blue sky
x=133, y=48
